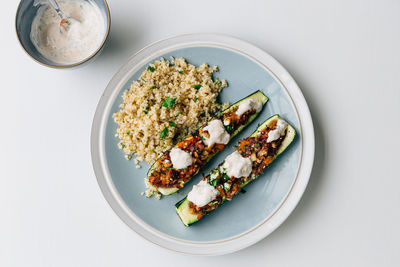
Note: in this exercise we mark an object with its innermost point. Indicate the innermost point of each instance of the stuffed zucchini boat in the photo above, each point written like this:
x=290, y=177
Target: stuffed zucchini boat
x=252, y=156
x=177, y=166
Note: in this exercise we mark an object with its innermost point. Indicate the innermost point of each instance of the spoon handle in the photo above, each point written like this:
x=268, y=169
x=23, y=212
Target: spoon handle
x=56, y=8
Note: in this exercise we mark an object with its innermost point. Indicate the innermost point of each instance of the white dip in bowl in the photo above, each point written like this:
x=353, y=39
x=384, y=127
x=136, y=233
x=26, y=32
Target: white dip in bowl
x=83, y=38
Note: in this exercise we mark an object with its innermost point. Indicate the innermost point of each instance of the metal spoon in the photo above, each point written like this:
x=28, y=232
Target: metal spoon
x=66, y=21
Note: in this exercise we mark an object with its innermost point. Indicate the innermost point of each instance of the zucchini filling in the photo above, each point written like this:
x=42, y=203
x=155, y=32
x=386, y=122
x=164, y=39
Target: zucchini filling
x=252, y=156
x=259, y=151
x=200, y=148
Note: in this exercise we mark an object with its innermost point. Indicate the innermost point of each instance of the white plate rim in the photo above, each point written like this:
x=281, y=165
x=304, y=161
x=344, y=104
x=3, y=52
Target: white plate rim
x=256, y=233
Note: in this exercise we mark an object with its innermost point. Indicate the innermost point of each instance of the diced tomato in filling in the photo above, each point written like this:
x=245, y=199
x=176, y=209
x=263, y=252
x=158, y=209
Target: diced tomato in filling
x=164, y=175
x=260, y=153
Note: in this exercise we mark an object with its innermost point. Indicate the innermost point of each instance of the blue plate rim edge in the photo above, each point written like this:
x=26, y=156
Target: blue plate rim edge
x=114, y=92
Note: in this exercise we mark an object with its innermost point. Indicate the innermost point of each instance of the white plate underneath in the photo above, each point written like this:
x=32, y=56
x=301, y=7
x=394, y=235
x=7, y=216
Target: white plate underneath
x=271, y=198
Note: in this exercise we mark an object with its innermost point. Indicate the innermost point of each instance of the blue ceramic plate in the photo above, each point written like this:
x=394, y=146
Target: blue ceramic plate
x=122, y=182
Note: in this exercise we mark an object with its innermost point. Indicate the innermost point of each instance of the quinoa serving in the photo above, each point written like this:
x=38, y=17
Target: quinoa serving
x=170, y=100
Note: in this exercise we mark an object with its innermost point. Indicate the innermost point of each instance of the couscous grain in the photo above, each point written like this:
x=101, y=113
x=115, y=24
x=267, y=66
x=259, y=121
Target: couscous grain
x=169, y=100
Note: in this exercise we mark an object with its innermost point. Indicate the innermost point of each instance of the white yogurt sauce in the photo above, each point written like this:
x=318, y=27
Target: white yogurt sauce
x=217, y=133
x=180, y=159
x=202, y=194
x=237, y=166
x=83, y=38
x=276, y=133
x=248, y=104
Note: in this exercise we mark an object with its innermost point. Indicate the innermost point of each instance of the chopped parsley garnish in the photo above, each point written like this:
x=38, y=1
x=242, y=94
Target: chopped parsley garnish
x=212, y=79
x=214, y=182
x=177, y=115
x=256, y=145
x=229, y=128
x=202, y=115
x=227, y=186
x=147, y=110
x=181, y=71
x=168, y=102
x=150, y=68
x=197, y=86
x=195, y=100
x=128, y=133
x=226, y=177
x=143, y=80
x=202, y=137
x=172, y=124
x=153, y=87
x=164, y=133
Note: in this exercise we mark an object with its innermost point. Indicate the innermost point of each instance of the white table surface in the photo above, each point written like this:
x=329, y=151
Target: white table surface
x=343, y=54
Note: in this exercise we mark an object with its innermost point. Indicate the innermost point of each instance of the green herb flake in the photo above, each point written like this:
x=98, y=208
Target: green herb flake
x=256, y=145
x=181, y=71
x=229, y=128
x=227, y=186
x=150, y=68
x=147, y=110
x=197, y=86
x=212, y=79
x=128, y=133
x=195, y=100
x=202, y=137
x=172, y=124
x=143, y=79
x=164, y=133
x=202, y=115
x=154, y=87
x=214, y=182
x=168, y=102
x=226, y=177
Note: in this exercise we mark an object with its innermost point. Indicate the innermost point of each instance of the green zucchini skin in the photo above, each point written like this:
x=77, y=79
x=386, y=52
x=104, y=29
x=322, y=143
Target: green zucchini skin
x=258, y=95
x=182, y=207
